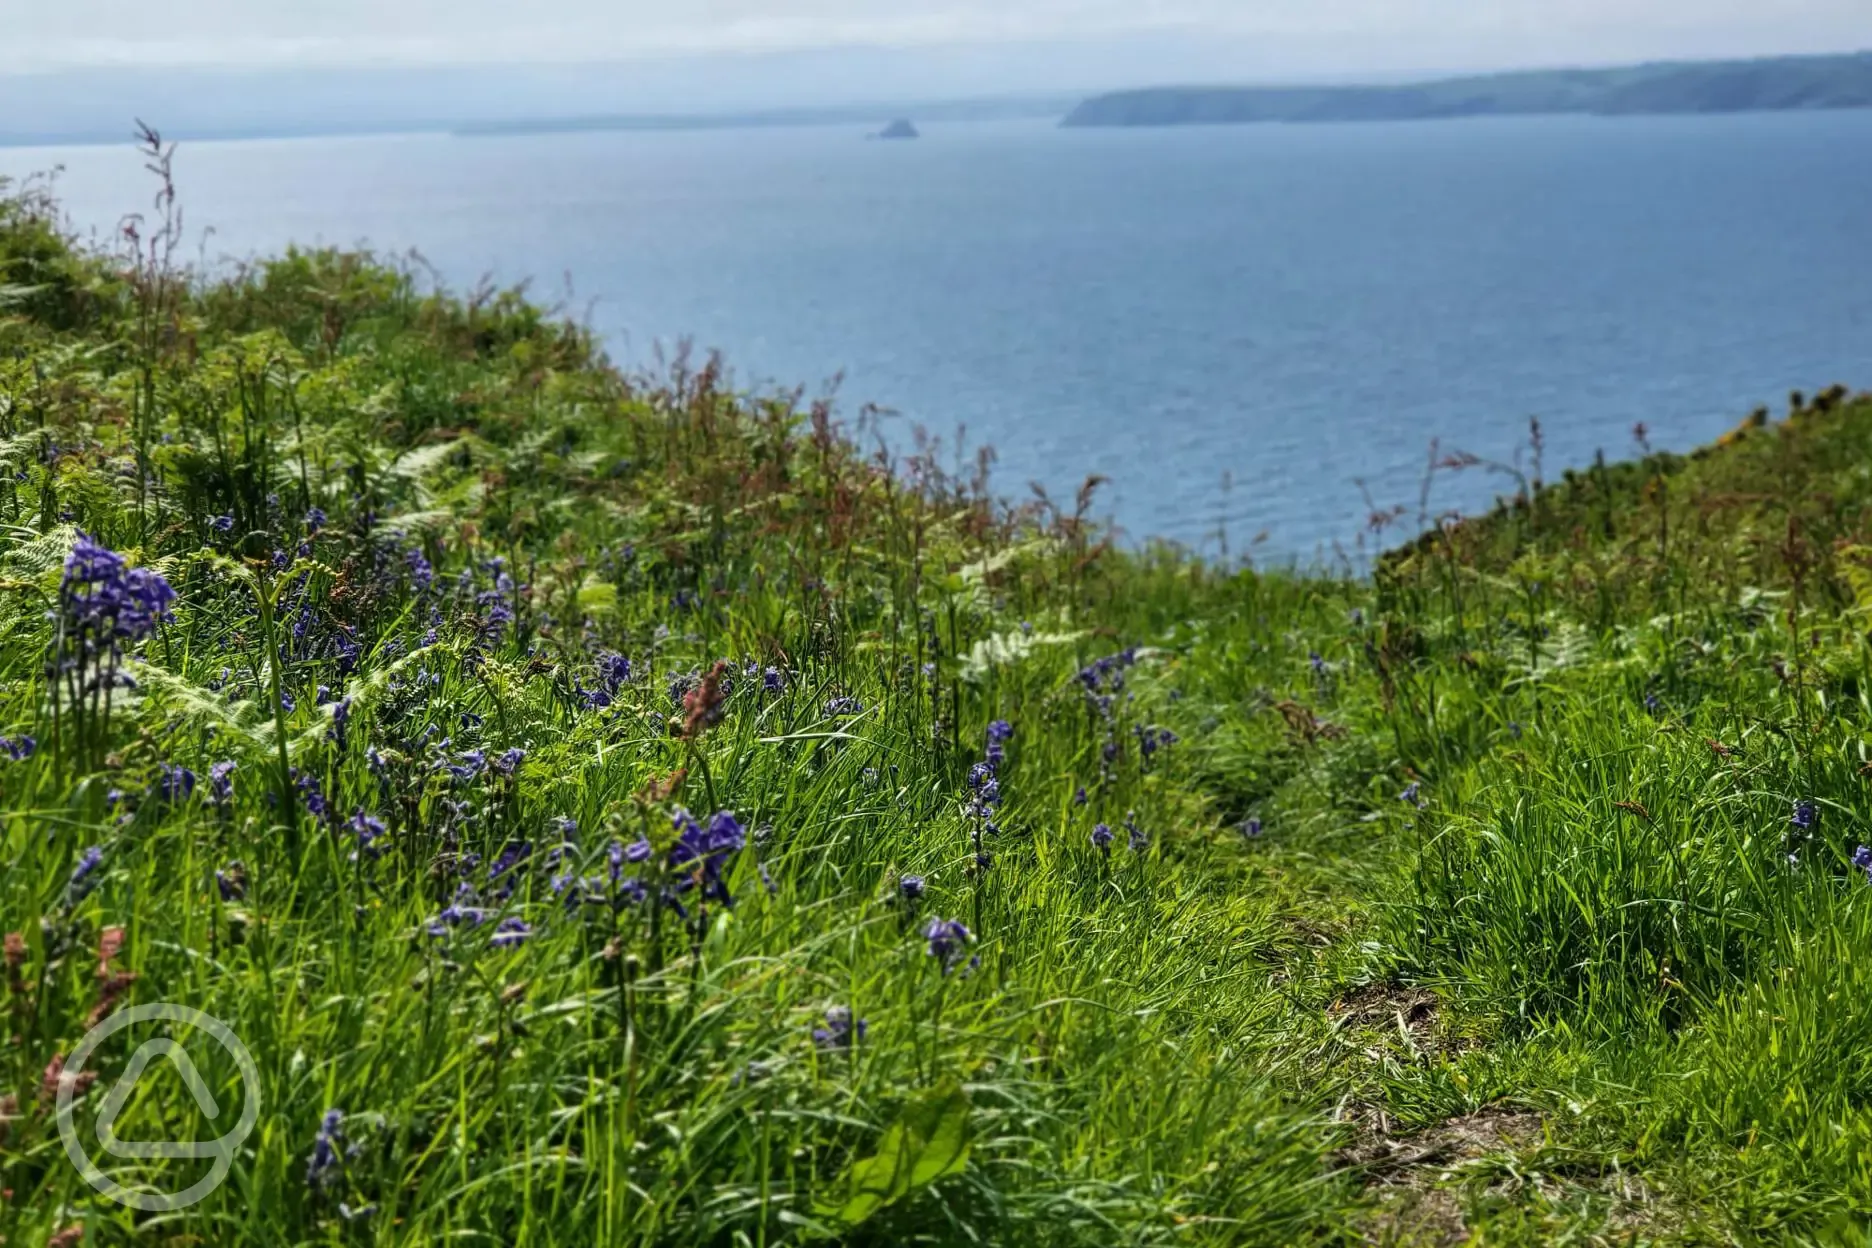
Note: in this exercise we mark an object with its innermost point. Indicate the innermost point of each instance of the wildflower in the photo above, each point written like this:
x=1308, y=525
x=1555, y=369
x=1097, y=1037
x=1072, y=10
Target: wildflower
x=369, y=830
x=507, y=762
x=614, y=671
x=836, y=708
x=80, y=885
x=323, y=1164
x=773, y=680
x=1412, y=796
x=1079, y=796
x=341, y=723
x=910, y=887
x=510, y=858
x=231, y=883
x=19, y=748
x=174, y=783
x=511, y=931
x=1251, y=828
x=104, y=603
x=315, y=519
x=1862, y=858
x=311, y=795
x=948, y=941
x=1805, y=815
x=1318, y=663
x=841, y=1030
x=700, y=852
x=1140, y=839
x=472, y=761
x=1102, y=839
x=422, y=572
x=767, y=880
x=222, y=524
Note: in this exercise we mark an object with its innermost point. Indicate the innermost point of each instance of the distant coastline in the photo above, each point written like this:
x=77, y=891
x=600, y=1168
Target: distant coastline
x=1779, y=84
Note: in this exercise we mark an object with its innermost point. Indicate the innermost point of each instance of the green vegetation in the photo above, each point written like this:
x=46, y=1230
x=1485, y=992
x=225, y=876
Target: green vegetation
x=1776, y=84
x=1058, y=894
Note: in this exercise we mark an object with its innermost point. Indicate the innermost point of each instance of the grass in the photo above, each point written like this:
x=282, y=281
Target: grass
x=1504, y=895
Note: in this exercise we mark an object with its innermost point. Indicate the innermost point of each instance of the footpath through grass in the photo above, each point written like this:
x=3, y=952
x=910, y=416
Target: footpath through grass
x=623, y=811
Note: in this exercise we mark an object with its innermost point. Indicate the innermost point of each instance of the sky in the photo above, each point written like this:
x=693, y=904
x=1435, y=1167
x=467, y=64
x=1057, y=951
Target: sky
x=1310, y=37
x=76, y=69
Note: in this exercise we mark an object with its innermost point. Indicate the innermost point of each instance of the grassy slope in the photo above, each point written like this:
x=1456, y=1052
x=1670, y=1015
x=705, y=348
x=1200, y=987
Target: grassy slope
x=1518, y=1008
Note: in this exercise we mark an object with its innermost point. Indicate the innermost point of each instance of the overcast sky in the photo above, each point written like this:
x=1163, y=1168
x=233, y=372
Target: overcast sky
x=1306, y=37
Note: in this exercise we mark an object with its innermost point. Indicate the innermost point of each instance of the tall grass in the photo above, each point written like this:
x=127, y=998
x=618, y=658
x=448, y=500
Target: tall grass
x=618, y=809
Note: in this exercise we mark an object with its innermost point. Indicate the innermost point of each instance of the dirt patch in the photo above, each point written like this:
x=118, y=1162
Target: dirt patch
x=1422, y=1155
x=1413, y=1013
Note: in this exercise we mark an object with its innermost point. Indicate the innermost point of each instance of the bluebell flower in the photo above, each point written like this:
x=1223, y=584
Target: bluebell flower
x=1862, y=858
x=222, y=524
x=508, y=761
x=1140, y=840
x=472, y=761
x=79, y=886
x=370, y=832
x=323, y=1165
x=910, y=887
x=1102, y=838
x=105, y=603
x=1412, y=796
x=340, y=728
x=1805, y=815
x=841, y=1030
x=19, y=748
x=1079, y=796
x=509, y=932
x=948, y=941
x=174, y=783
x=1251, y=827
x=773, y=680
x=836, y=708
x=702, y=852
x=315, y=519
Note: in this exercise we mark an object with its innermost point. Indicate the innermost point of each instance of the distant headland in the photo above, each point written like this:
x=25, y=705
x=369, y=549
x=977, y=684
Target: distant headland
x=1771, y=85
x=902, y=128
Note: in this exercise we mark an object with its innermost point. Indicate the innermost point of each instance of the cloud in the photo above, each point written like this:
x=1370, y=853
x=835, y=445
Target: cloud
x=272, y=33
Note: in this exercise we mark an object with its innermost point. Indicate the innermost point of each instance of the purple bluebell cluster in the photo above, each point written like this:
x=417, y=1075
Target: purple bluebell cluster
x=83, y=877
x=105, y=605
x=221, y=781
x=510, y=932
x=1805, y=815
x=841, y=1030
x=1862, y=858
x=948, y=941
x=370, y=833
x=614, y=672
x=702, y=852
x=326, y=1163
x=1102, y=838
x=1139, y=838
x=1102, y=681
x=174, y=782
x=1413, y=795
x=19, y=748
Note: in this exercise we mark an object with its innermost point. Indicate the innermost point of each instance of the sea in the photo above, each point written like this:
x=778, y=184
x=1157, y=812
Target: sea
x=1259, y=336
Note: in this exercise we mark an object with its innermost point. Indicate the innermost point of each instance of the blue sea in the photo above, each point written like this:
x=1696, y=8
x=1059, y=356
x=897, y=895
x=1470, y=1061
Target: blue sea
x=1257, y=333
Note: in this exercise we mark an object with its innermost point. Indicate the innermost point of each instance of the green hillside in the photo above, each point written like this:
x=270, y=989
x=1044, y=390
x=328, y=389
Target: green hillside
x=619, y=810
x=1769, y=85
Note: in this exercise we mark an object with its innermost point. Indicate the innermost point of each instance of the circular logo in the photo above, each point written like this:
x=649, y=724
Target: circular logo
x=219, y=1152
